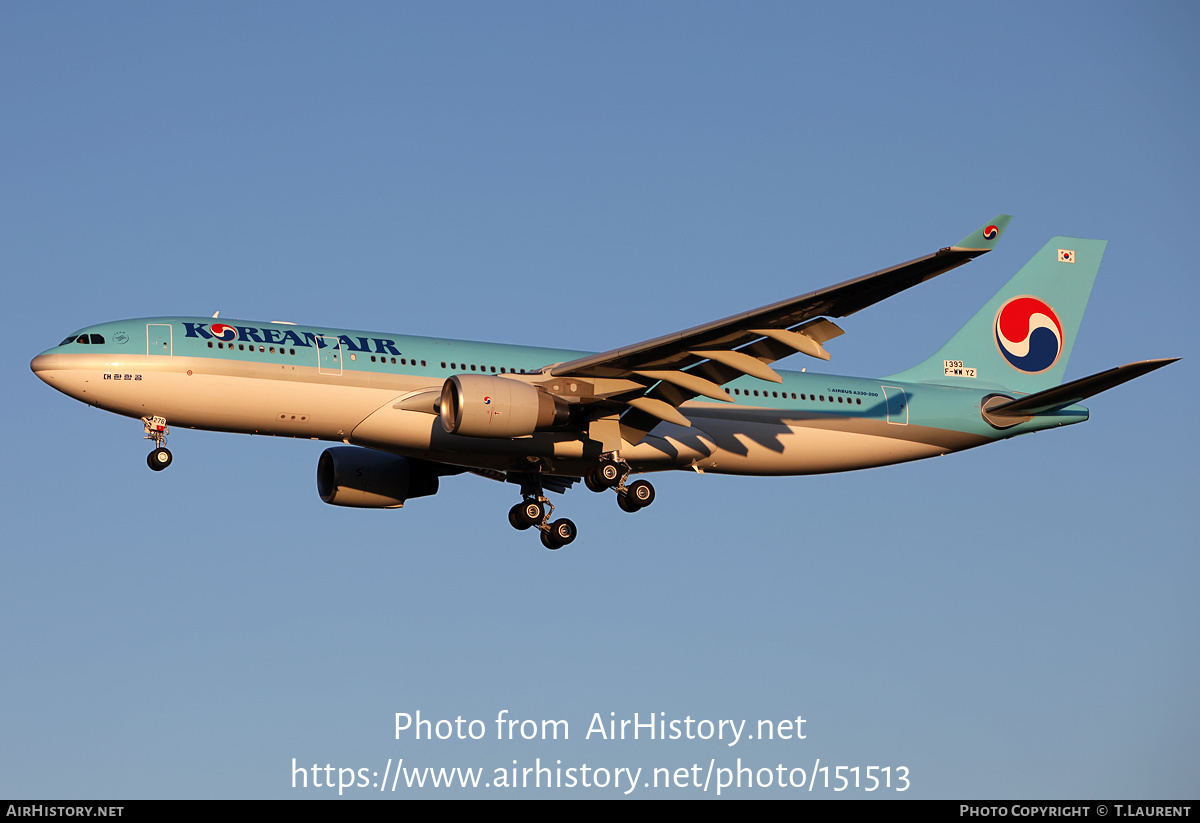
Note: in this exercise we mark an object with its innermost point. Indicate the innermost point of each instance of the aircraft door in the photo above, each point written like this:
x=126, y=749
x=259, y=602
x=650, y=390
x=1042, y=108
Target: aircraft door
x=329, y=356
x=897, y=405
x=158, y=339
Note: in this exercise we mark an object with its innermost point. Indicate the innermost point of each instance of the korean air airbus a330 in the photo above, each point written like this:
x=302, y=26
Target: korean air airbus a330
x=414, y=409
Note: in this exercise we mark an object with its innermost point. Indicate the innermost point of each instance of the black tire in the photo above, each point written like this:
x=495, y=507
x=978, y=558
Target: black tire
x=159, y=459
x=515, y=519
x=531, y=512
x=627, y=503
x=641, y=492
x=563, y=532
x=608, y=473
x=593, y=482
x=549, y=543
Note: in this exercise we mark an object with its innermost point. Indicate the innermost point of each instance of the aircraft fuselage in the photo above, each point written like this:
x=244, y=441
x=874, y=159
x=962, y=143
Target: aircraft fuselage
x=339, y=385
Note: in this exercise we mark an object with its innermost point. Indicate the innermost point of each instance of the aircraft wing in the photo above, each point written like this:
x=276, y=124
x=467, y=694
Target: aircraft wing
x=677, y=367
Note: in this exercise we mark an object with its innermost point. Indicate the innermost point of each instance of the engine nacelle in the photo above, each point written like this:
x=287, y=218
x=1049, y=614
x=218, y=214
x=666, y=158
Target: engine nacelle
x=368, y=479
x=477, y=405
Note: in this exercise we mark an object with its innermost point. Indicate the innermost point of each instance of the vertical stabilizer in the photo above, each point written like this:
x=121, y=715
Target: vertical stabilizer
x=1022, y=338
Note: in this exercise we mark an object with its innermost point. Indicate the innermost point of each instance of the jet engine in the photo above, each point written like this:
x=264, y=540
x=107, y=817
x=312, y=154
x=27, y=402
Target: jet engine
x=476, y=405
x=368, y=479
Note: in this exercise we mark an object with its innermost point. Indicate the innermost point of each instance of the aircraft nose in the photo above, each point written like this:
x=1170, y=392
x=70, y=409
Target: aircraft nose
x=63, y=372
x=41, y=366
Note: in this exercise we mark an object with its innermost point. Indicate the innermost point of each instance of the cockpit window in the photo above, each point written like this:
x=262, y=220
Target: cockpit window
x=96, y=339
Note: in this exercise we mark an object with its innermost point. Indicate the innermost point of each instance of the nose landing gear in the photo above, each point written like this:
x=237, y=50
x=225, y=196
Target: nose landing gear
x=156, y=430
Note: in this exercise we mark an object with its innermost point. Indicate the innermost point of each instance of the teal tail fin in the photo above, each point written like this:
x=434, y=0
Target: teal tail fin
x=1022, y=338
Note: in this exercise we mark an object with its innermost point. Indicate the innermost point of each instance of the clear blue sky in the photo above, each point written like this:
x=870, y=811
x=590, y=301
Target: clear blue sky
x=1016, y=621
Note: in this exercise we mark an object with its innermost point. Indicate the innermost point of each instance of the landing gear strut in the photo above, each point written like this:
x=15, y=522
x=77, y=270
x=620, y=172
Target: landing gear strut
x=156, y=430
x=534, y=512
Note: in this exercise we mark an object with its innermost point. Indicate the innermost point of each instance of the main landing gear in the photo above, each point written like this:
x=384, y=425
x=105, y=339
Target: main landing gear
x=156, y=430
x=535, y=510
x=611, y=473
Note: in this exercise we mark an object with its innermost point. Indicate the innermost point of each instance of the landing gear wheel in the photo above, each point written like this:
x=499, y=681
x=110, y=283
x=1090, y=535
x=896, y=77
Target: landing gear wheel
x=531, y=512
x=593, y=483
x=564, y=531
x=641, y=492
x=515, y=518
x=560, y=533
x=627, y=503
x=608, y=473
x=159, y=459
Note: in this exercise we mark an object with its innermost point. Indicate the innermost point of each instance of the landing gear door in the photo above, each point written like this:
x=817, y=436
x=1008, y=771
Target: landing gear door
x=329, y=355
x=158, y=339
x=897, y=405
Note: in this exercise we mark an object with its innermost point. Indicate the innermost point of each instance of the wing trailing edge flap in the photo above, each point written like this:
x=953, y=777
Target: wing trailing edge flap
x=807, y=339
x=687, y=380
x=1068, y=394
x=659, y=409
x=755, y=362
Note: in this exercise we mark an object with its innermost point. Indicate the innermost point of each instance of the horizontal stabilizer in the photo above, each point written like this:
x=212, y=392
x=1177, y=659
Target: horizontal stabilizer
x=1077, y=390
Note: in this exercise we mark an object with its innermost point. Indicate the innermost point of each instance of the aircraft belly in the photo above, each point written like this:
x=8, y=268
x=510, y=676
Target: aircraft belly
x=800, y=448
x=263, y=406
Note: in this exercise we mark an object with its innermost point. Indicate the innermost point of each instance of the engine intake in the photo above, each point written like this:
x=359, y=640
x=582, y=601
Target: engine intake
x=367, y=479
x=475, y=405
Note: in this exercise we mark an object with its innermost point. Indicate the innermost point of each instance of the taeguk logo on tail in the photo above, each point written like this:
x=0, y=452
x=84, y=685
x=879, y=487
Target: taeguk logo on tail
x=1029, y=334
x=990, y=232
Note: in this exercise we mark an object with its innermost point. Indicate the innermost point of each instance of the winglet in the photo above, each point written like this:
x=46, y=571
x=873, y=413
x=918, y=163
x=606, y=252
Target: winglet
x=986, y=236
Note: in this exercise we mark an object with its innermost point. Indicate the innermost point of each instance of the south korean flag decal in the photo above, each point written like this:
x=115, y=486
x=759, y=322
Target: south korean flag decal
x=1066, y=255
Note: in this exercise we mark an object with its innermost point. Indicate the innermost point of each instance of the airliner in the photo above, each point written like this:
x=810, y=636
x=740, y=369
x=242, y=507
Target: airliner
x=411, y=410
